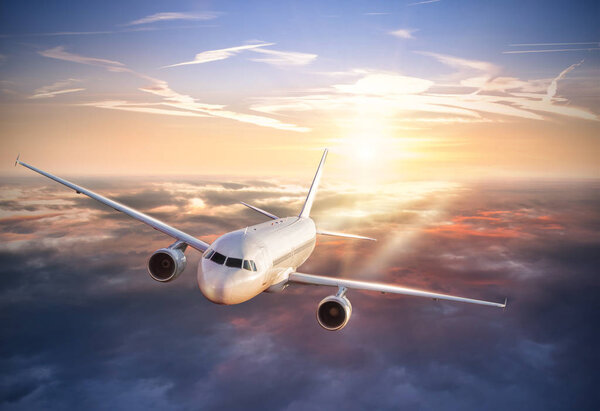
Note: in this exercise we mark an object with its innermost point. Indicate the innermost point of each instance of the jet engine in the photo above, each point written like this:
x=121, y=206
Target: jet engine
x=334, y=312
x=167, y=263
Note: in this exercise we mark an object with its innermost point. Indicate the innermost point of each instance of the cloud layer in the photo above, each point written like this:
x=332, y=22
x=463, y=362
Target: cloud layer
x=84, y=325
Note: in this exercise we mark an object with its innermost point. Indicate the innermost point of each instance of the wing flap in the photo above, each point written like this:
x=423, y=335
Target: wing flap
x=144, y=218
x=312, y=279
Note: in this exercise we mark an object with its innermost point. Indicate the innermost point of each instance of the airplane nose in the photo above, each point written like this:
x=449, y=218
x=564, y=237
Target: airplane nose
x=223, y=285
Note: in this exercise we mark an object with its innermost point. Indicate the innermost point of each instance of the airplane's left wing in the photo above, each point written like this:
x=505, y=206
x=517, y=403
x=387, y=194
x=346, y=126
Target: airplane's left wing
x=311, y=279
x=144, y=218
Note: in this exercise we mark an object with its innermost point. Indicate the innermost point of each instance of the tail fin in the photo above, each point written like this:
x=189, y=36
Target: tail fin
x=313, y=188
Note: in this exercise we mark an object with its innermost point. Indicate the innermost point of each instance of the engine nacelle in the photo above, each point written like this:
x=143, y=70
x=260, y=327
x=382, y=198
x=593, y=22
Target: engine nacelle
x=334, y=312
x=167, y=263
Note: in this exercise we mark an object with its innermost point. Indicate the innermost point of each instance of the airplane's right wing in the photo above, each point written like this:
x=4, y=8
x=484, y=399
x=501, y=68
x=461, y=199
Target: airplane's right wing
x=311, y=279
x=144, y=218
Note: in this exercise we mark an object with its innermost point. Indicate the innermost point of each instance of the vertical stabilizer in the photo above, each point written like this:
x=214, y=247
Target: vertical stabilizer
x=313, y=188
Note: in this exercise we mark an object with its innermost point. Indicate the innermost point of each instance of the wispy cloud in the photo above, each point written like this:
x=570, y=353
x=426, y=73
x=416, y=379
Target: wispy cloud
x=389, y=95
x=403, y=33
x=461, y=63
x=423, y=2
x=276, y=57
x=550, y=50
x=180, y=102
x=284, y=58
x=554, y=44
x=168, y=16
x=141, y=108
x=57, y=88
x=376, y=14
x=554, y=84
x=220, y=54
x=59, y=53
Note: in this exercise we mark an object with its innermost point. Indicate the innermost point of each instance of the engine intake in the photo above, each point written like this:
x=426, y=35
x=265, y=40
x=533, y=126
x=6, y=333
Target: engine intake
x=333, y=312
x=167, y=263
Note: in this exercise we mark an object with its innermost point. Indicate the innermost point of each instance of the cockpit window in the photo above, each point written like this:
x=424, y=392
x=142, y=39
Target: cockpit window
x=209, y=253
x=234, y=262
x=253, y=265
x=218, y=258
x=247, y=265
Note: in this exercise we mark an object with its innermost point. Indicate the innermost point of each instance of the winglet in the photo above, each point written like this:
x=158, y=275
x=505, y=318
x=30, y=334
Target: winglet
x=313, y=188
x=17, y=160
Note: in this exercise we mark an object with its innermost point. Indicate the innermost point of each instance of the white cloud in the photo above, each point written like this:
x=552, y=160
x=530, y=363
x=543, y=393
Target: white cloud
x=391, y=95
x=423, y=2
x=168, y=16
x=403, y=33
x=140, y=108
x=461, y=63
x=220, y=54
x=550, y=50
x=385, y=84
x=171, y=98
x=284, y=58
x=59, y=53
x=55, y=89
x=551, y=92
x=277, y=58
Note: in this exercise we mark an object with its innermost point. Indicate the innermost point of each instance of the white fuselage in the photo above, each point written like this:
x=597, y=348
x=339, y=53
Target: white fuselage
x=270, y=252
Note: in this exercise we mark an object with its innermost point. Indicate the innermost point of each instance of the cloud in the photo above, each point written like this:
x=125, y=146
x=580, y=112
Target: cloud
x=102, y=325
x=59, y=53
x=141, y=108
x=550, y=50
x=462, y=63
x=403, y=33
x=423, y=2
x=220, y=54
x=277, y=58
x=284, y=58
x=554, y=85
x=553, y=44
x=55, y=89
x=182, y=102
x=169, y=16
x=385, y=95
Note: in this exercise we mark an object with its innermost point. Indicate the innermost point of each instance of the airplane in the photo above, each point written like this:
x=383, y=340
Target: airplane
x=264, y=257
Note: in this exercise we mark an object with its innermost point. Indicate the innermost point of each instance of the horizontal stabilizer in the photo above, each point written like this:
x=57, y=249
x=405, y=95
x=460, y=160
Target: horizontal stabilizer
x=334, y=234
x=260, y=210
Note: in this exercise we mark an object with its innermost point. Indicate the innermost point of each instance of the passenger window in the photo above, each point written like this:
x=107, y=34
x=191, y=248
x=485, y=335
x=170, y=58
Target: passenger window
x=209, y=253
x=253, y=265
x=247, y=265
x=234, y=262
x=218, y=258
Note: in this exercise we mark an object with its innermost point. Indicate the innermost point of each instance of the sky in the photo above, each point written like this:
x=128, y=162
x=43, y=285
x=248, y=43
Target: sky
x=466, y=89
x=463, y=135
